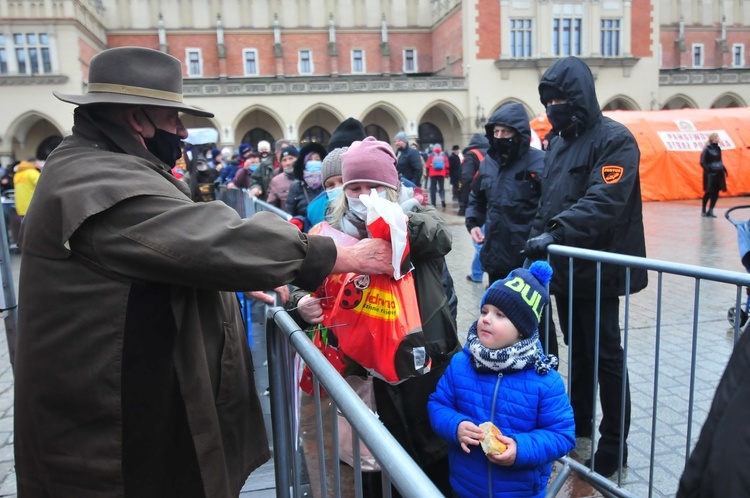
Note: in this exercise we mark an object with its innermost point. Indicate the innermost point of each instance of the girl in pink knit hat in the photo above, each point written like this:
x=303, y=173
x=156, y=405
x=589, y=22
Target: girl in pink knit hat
x=370, y=164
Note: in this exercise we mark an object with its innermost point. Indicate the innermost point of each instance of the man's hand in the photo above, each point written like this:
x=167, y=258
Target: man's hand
x=255, y=192
x=366, y=257
x=536, y=247
x=310, y=310
x=282, y=291
x=477, y=235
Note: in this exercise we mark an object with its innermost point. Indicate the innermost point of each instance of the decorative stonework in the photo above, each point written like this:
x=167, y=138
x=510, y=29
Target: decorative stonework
x=33, y=80
x=203, y=89
x=705, y=77
x=542, y=63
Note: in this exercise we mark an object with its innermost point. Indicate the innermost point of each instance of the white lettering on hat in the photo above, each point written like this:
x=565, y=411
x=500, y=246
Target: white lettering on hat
x=519, y=285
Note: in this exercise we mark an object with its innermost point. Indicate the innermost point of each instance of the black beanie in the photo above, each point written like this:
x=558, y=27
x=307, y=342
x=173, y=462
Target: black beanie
x=345, y=134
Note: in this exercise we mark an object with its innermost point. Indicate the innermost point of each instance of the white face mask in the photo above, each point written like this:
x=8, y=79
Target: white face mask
x=358, y=207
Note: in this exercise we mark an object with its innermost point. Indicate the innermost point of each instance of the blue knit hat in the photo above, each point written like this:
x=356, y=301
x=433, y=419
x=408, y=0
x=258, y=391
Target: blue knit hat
x=522, y=296
x=244, y=149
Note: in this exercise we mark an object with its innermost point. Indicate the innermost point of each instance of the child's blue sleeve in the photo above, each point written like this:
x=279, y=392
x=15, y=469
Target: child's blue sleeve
x=442, y=408
x=554, y=436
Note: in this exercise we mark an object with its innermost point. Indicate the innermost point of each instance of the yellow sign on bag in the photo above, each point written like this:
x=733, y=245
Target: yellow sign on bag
x=379, y=303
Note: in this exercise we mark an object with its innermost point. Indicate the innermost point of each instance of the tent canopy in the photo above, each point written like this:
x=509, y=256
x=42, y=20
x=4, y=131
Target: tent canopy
x=671, y=143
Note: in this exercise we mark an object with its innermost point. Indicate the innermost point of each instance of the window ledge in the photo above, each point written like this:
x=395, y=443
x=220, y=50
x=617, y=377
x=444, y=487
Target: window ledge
x=543, y=63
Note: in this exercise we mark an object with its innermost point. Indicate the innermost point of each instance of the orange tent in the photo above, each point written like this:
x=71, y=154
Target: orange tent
x=540, y=125
x=671, y=143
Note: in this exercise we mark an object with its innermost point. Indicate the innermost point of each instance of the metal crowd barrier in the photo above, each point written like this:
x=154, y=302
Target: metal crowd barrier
x=284, y=338
x=682, y=330
x=245, y=204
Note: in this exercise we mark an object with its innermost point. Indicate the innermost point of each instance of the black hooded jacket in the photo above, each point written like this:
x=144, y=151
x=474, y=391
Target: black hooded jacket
x=591, y=188
x=470, y=165
x=505, y=194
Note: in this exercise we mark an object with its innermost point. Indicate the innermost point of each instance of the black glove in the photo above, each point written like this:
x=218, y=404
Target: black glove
x=536, y=247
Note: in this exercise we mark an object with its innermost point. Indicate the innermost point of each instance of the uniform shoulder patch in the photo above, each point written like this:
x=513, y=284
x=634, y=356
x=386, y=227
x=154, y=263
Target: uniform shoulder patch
x=612, y=174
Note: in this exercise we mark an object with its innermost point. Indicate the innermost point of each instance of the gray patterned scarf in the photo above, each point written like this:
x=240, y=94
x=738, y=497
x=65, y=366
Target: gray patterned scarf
x=515, y=358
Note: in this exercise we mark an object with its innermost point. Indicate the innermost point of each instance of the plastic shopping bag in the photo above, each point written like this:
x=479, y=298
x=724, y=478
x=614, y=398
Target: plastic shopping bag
x=334, y=356
x=386, y=220
x=376, y=318
x=376, y=321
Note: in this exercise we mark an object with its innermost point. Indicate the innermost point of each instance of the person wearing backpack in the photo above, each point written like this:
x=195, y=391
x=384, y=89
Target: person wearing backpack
x=437, y=170
x=473, y=156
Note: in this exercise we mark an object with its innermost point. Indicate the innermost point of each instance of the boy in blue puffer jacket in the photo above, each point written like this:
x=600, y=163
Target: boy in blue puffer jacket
x=503, y=376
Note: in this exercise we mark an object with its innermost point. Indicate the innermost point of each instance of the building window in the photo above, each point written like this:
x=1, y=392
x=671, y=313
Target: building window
x=410, y=60
x=305, y=62
x=32, y=53
x=358, y=61
x=194, y=62
x=610, y=42
x=566, y=36
x=738, y=55
x=697, y=55
x=520, y=37
x=3, y=56
x=250, y=55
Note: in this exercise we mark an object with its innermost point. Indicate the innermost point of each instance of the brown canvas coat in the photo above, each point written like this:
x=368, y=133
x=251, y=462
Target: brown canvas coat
x=133, y=372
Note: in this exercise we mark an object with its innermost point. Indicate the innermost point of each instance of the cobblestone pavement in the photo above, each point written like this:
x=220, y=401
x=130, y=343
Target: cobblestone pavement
x=676, y=232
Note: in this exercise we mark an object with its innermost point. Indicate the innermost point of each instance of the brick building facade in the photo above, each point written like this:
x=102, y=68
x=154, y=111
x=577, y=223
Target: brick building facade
x=433, y=68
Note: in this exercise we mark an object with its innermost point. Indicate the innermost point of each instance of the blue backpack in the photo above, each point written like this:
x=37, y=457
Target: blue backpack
x=438, y=162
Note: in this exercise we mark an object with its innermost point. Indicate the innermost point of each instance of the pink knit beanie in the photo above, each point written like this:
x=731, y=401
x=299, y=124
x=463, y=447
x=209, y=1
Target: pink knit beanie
x=370, y=161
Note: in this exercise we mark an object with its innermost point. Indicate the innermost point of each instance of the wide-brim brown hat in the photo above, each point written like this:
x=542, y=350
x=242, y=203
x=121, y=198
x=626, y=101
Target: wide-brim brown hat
x=134, y=76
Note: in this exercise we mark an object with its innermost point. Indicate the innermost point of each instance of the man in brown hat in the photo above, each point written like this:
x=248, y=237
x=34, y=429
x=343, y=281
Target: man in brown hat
x=133, y=375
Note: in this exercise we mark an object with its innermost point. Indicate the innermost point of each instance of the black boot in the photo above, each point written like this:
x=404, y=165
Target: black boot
x=711, y=214
x=606, y=461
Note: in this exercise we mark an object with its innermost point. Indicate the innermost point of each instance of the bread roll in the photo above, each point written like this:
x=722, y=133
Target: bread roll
x=490, y=444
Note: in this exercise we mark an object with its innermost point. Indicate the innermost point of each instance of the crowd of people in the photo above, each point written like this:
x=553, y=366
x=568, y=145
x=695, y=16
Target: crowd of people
x=138, y=381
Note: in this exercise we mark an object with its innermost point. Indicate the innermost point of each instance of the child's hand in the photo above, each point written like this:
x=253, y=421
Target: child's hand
x=507, y=457
x=469, y=434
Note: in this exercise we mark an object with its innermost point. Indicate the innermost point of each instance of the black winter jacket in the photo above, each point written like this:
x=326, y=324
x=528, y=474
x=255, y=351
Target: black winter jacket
x=410, y=165
x=718, y=465
x=591, y=189
x=471, y=165
x=506, y=195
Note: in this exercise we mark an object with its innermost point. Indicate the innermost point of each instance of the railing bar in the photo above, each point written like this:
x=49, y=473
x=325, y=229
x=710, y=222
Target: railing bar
x=279, y=413
x=737, y=314
x=654, y=404
x=336, y=455
x=319, y=436
x=357, y=460
x=597, y=334
x=693, y=355
x=685, y=270
x=625, y=380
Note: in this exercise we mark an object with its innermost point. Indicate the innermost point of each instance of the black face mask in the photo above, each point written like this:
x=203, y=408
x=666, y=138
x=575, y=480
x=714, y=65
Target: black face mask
x=506, y=147
x=561, y=116
x=164, y=145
